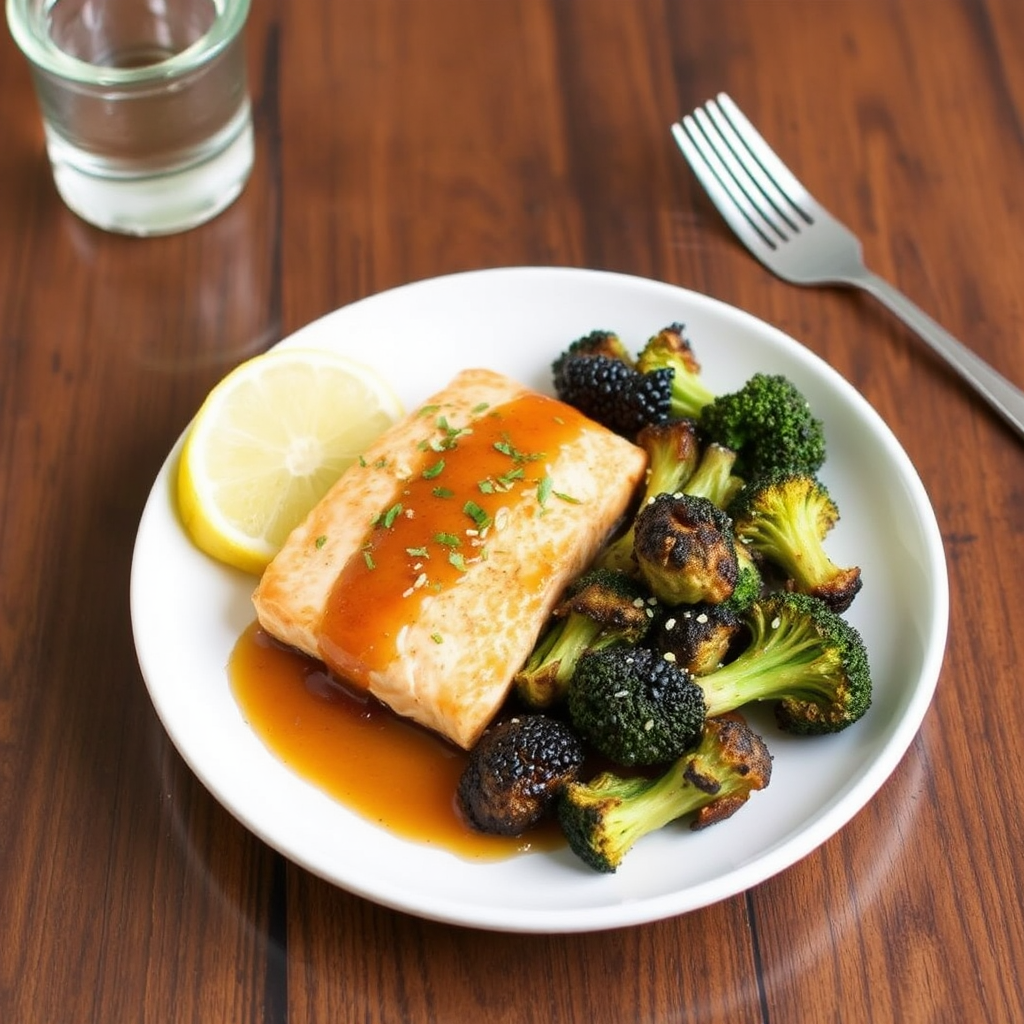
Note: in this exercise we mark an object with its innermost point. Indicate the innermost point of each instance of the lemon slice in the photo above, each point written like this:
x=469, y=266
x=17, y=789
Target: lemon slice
x=268, y=442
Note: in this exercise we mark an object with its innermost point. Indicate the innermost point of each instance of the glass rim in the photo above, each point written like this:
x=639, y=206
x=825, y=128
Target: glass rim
x=29, y=32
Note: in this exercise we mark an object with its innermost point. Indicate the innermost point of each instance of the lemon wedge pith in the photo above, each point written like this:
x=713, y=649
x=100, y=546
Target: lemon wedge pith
x=268, y=442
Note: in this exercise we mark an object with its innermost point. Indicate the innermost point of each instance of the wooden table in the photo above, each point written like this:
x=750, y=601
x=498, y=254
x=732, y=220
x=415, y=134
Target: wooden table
x=402, y=139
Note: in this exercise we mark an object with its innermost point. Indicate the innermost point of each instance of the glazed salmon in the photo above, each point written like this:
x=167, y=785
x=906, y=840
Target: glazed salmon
x=426, y=574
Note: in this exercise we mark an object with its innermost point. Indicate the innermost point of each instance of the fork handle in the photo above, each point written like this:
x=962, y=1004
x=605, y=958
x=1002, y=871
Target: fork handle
x=1004, y=397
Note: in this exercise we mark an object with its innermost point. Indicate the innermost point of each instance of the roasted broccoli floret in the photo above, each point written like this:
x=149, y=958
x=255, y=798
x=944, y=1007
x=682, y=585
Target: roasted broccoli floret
x=669, y=349
x=802, y=655
x=685, y=549
x=601, y=608
x=698, y=638
x=713, y=477
x=769, y=424
x=673, y=453
x=785, y=518
x=613, y=393
x=515, y=772
x=633, y=706
x=604, y=818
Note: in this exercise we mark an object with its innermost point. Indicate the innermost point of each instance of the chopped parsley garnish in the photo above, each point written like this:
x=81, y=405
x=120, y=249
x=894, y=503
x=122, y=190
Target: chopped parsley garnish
x=544, y=490
x=450, y=434
x=435, y=470
x=477, y=514
x=321, y=541
x=506, y=447
x=449, y=540
x=391, y=515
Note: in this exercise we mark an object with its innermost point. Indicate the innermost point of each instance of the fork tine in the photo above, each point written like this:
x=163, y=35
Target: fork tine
x=728, y=197
x=779, y=183
x=759, y=197
x=745, y=171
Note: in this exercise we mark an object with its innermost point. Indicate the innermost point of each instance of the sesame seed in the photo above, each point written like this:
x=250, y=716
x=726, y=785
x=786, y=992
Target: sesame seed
x=621, y=693
x=670, y=624
x=702, y=618
x=649, y=725
x=776, y=622
x=669, y=656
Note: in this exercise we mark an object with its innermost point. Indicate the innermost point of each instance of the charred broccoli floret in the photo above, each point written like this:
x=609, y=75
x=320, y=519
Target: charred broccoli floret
x=673, y=453
x=604, y=818
x=612, y=392
x=635, y=707
x=698, y=638
x=516, y=771
x=669, y=349
x=802, y=655
x=685, y=549
x=769, y=424
x=596, y=343
x=713, y=478
x=601, y=608
x=785, y=518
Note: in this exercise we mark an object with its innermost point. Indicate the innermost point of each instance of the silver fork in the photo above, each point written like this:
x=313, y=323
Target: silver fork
x=796, y=238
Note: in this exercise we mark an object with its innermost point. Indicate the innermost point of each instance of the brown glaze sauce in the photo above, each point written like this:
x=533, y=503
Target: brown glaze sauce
x=385, y=769
x=439, y=524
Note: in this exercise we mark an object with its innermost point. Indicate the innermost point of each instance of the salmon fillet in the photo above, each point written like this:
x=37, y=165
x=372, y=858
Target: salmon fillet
x=427, y=572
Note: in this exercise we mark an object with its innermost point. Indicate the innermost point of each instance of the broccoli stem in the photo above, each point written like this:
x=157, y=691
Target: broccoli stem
x=577, y=634
x=617, y=812
x=605, y=818
x=545, y=677
x=688, y=396
x=713, y=478
x=650, y=804
x=784, y=660
x=792, y=545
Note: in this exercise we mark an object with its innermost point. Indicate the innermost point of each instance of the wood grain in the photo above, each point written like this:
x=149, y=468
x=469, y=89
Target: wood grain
x=402, y=139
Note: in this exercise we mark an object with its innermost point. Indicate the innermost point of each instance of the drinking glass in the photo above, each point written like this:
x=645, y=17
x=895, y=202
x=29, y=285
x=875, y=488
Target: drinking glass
x=145, y=106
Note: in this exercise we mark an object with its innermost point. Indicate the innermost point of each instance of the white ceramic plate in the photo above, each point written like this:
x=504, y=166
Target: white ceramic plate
x=188, y=612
